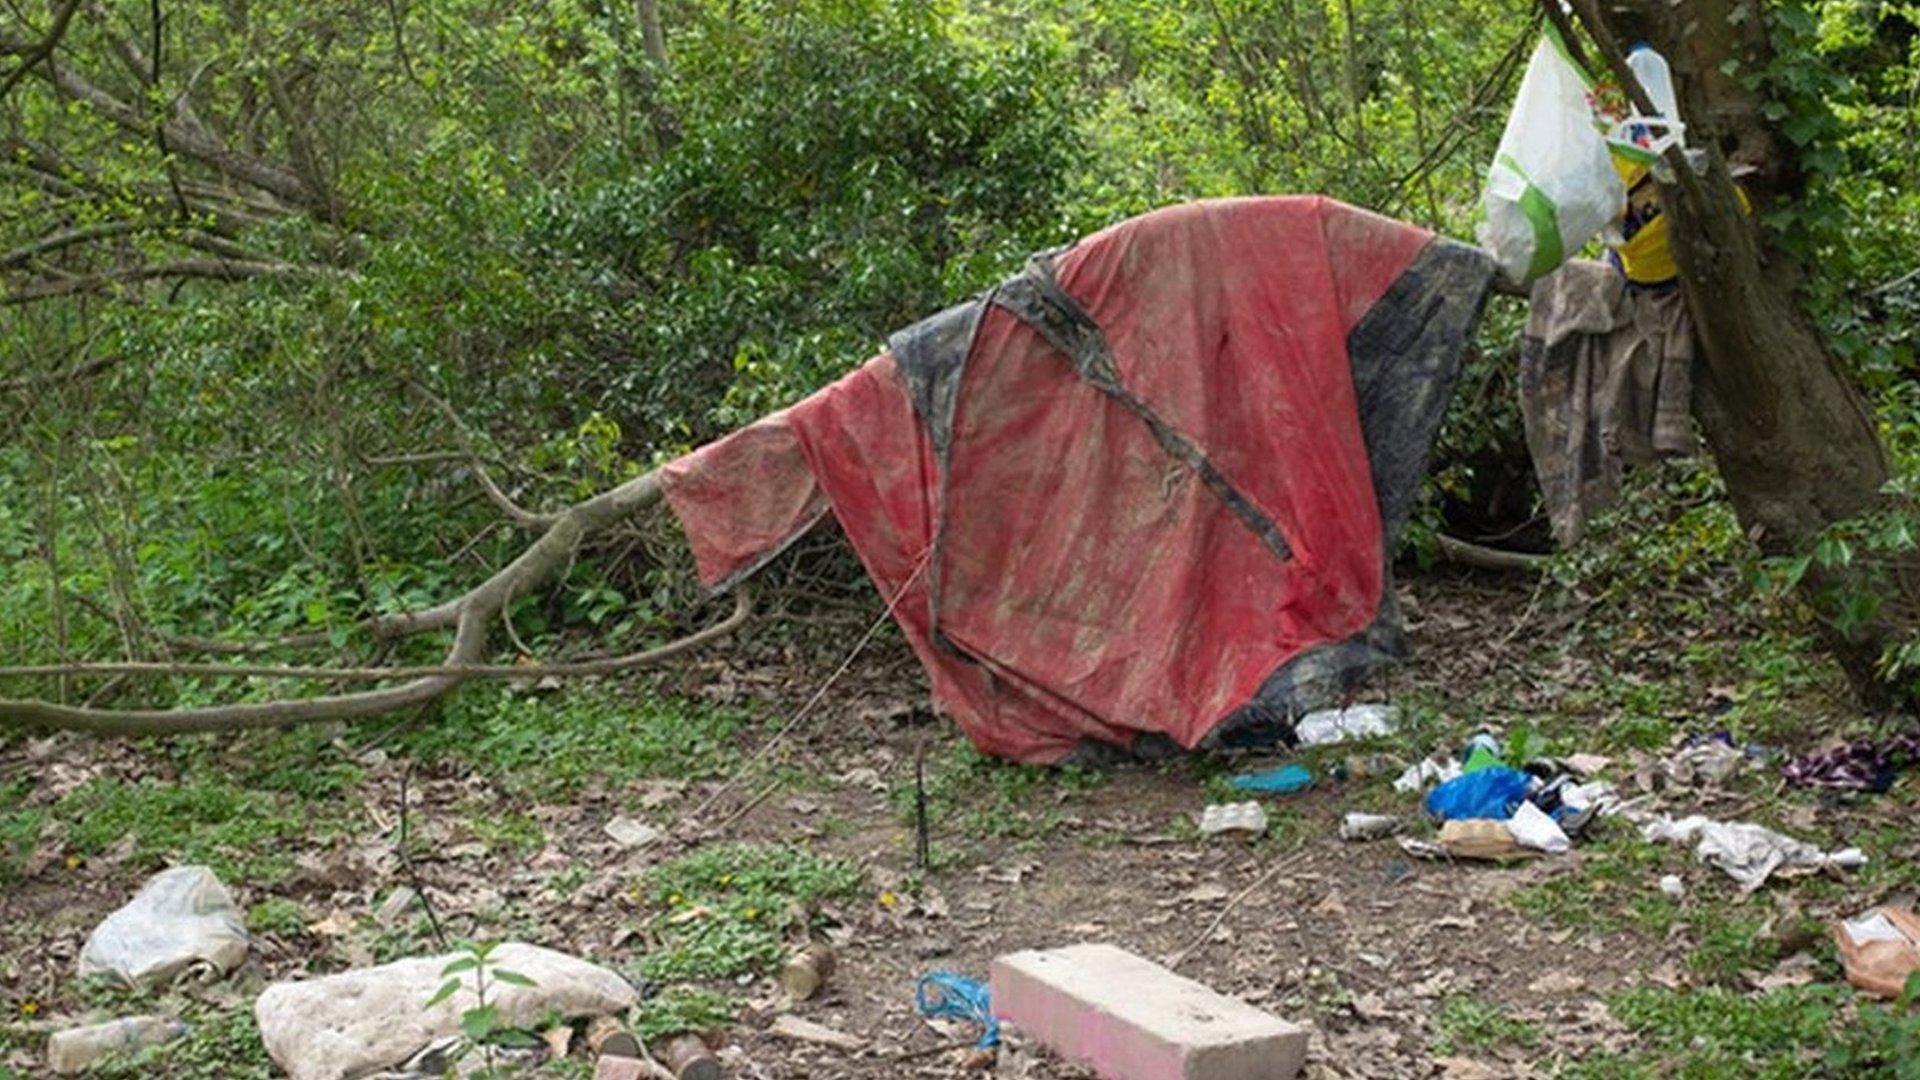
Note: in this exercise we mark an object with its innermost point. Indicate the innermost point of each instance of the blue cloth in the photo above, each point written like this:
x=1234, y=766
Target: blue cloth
x=1284, y=780
x=1493, y=792
x=952, y=995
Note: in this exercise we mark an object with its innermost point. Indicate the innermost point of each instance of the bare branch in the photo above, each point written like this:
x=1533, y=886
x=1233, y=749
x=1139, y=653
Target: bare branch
x=41, y=51
x=196, y=143
x=209, y=269
x=82, y=370
x=1467, y=553
x=520, y=516
x=65, y=238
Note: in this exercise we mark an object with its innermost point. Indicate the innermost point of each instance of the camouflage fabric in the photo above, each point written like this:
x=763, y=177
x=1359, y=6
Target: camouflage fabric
x=1606, y=381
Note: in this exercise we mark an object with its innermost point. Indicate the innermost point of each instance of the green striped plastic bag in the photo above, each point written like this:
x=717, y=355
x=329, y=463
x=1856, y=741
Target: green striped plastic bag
x=1552, y=185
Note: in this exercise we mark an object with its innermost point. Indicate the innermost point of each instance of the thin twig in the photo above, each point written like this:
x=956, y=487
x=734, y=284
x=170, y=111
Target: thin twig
x=1200, y=940
x=406, y=863
x=787, y=728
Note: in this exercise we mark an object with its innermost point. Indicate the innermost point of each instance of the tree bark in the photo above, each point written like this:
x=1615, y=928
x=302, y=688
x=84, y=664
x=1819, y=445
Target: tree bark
x=1795, y=441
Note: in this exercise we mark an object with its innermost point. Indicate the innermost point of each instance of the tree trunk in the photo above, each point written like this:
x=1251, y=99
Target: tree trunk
x=1794, y=439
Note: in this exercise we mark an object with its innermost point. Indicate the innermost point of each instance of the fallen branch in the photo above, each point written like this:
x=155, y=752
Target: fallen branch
x=471, y=615
x=1467, y=553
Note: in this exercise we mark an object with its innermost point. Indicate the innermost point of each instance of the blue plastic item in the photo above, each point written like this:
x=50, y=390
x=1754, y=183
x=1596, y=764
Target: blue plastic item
x=954, y=996
x=1284, y=780
x=1493, y=792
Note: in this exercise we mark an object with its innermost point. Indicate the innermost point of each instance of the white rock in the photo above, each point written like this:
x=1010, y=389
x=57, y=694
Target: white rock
x=180, y=918
x=361, y=1021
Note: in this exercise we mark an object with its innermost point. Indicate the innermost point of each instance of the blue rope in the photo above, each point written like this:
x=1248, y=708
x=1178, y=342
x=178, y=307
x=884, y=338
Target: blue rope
x=946, y=994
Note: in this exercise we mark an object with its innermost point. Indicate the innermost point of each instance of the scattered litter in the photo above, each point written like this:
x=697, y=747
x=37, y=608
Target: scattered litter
x=789, y=1026
x=1481, y=752
x=606, y=1036
x=1710, y=762
x=1879, y=949
x=1748, y=853
x=1426, y=774
x=181, y=919
x=630, y=832
x=1284, y=780
x=1587, y=764
x=948, y=995
x=688, y=1057
x=1673, y=886
x=1246, y=817
x=1368, y=721
x=78, y=1049
x=807, y=971
x=395, y=906
x=1532, y=828
x=1469, y=838
x=1862, y=765
x=1368, y=826
x=1491, y=792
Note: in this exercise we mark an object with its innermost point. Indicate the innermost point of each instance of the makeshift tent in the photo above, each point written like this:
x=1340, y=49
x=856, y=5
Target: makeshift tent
x=1143, y=494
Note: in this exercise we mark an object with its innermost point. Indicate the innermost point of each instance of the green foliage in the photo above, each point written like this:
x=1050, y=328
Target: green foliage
x=1785, y=1033
x=550, y=745
x=683, y=1008
x=725, y=910
x=1469, y=1025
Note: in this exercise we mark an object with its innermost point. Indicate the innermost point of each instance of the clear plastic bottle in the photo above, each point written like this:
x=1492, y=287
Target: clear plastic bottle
x=1654, y=74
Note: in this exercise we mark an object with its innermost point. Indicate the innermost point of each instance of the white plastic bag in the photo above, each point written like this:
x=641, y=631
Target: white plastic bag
x=1552, y=186
x=182, y=918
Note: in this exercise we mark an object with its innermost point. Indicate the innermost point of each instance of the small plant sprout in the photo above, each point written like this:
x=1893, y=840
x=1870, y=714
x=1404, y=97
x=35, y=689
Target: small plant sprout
x=482, y=1024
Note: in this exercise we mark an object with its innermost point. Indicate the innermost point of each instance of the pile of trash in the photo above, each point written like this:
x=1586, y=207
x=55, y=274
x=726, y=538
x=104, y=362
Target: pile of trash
x=1489, y=809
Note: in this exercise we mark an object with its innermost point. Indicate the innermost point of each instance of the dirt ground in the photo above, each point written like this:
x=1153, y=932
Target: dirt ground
x=1374, y=950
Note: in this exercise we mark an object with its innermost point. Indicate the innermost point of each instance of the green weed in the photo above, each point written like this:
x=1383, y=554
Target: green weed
x=727, y=910
x=1470, y=1025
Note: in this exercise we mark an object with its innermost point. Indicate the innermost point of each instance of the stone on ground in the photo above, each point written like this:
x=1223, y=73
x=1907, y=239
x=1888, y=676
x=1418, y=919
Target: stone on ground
x=1131, y=1019
x=79, y=1049
x=362, y=1021
x=180, y=919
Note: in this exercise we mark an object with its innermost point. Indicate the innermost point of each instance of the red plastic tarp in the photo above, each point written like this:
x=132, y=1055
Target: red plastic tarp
x=1092, y=587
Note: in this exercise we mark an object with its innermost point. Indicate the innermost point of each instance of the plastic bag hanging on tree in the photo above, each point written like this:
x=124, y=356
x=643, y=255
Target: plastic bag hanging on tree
x=1552, y=186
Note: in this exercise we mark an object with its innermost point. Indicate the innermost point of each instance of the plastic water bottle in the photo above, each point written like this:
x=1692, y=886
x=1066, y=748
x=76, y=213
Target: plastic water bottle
x=1651, y=69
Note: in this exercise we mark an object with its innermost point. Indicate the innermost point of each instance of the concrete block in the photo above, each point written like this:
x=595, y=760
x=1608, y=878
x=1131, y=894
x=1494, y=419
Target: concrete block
x=1131, y=1019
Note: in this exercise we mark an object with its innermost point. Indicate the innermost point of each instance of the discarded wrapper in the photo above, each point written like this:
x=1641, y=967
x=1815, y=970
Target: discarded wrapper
x=1879, y=949
x=1242, y=817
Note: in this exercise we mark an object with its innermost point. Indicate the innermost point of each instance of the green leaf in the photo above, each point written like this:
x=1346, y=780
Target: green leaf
x=515, y=1038
x=446, y=991
x=465, y=963
x=512, y=978
x=480, y=1023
